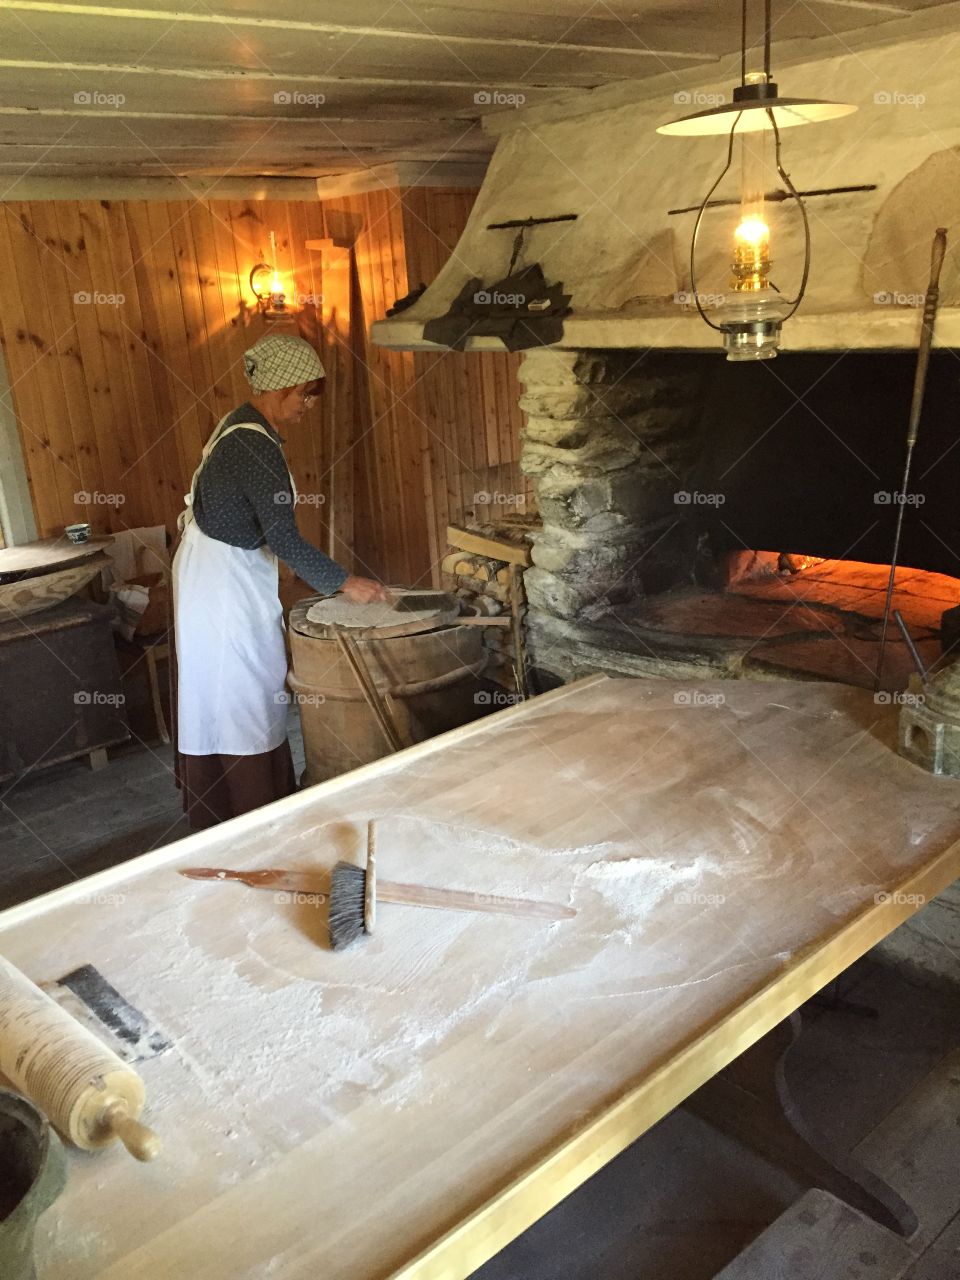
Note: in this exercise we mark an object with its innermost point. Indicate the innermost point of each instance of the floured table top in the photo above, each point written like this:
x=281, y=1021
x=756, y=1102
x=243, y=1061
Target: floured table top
x=321, y=615
x=405, y=1107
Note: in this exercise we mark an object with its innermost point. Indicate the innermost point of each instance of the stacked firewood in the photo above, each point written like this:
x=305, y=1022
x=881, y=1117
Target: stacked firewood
x=479, y=576
x=483, y=584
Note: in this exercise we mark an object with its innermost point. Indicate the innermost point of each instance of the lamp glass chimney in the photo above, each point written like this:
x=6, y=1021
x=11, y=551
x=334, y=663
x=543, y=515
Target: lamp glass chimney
x=751, y=237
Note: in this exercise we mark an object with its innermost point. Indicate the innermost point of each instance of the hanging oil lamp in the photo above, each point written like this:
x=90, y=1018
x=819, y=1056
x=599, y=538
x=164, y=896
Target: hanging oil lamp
x=754, y=310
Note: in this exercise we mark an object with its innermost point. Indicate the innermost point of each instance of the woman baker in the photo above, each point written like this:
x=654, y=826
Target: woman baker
x=233, y=753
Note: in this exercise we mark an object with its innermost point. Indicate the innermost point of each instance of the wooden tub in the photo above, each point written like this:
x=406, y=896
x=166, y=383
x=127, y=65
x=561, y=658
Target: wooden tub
x=431, y=679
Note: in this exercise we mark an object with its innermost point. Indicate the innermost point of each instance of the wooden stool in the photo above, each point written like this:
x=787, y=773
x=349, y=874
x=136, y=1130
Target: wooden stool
x=155, y=624
x=152, y=649
x=154, y=652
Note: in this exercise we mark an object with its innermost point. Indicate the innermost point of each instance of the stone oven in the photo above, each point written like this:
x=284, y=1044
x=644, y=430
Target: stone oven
x=706, y=516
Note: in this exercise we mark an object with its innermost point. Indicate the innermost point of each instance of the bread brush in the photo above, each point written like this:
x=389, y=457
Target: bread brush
x=354, y=891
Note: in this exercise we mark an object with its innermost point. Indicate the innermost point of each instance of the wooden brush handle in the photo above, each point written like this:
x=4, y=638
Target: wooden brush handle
x=411, y=895
x=421, y=895
x=370, y=884
x=269, y=878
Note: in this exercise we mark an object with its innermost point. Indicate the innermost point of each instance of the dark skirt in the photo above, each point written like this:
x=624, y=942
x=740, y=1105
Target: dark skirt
x=216, y=788
x=219, y=787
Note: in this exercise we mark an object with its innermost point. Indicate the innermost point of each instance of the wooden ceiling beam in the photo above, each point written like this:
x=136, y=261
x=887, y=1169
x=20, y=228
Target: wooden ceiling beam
x=251, y=187
x=455, y=124
x=441, y=172
x=241, y=75
x=233, y=21
x=332, y=182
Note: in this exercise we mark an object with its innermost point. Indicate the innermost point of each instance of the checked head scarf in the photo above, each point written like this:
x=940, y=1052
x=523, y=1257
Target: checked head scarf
x=280, y=360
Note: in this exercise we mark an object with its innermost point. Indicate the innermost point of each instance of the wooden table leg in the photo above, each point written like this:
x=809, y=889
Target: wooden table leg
x=750, y=1101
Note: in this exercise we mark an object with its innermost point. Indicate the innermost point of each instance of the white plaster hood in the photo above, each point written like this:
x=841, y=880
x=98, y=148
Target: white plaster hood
x=624, y=260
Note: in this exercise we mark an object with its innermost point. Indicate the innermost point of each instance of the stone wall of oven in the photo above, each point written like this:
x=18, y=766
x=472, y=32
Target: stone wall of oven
x=609, y=440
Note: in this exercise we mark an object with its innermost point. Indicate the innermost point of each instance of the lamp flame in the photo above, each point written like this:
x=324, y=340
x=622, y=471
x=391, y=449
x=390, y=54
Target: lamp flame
x=753, y=232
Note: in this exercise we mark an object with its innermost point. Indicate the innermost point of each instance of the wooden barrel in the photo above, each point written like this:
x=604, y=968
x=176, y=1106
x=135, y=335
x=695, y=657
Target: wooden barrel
x=430, y=678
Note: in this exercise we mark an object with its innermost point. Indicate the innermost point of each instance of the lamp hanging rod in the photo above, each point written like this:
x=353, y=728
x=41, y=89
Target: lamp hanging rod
x=743, y=40
x=743, y=43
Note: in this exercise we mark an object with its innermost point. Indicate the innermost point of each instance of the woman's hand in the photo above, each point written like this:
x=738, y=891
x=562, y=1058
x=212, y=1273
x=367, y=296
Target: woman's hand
x=364, y=590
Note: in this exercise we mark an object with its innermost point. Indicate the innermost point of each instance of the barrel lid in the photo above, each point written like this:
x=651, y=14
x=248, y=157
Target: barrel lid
x=319, y=616
x=34, y=559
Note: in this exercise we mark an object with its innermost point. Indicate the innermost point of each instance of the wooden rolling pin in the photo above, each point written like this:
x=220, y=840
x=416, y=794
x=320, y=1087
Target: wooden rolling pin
x=88, y=1093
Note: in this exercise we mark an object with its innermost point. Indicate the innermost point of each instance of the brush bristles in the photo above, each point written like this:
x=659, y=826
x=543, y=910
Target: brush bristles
x=347, y=886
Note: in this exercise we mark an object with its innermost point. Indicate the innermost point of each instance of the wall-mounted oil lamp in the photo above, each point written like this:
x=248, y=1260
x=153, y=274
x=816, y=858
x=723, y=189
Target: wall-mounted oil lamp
x=267, y=287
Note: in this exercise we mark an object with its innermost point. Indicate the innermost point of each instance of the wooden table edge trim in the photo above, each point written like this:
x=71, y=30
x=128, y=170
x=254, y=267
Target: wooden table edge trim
x=476, y=1239
x=191, y=846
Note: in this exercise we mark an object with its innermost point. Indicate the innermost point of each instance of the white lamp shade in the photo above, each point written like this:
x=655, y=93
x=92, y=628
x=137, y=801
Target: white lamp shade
x=787, y=112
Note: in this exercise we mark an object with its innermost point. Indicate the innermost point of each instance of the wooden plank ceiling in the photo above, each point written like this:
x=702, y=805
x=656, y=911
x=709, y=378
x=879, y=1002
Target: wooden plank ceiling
x=283, y=88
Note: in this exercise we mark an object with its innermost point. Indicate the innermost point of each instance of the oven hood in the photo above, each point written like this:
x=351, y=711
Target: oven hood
x=624, y=258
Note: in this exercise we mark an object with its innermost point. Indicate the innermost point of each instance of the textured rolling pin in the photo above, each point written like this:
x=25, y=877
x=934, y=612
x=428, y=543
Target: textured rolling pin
x=89, y=1094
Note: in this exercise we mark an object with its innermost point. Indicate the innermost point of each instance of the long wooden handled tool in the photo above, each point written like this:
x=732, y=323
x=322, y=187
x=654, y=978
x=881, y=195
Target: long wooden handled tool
x=372, y=695
x=930, y=304
x=409, y=895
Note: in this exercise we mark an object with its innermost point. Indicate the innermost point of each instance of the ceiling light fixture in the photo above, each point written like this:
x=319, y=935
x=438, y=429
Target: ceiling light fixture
x=751, y=319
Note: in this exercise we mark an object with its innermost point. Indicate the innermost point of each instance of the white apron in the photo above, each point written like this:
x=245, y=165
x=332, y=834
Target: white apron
x=231, y=658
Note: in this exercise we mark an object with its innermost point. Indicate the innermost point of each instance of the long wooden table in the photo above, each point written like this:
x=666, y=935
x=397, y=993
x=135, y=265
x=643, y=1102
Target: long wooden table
x=406, y=1107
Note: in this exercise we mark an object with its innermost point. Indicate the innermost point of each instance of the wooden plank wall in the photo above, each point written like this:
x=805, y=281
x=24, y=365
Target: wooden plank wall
x=468, y=401
x=390, y=535
x=440, y=430
x=123, y=324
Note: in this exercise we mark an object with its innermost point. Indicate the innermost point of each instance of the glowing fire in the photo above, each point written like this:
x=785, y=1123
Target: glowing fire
x=797, y=563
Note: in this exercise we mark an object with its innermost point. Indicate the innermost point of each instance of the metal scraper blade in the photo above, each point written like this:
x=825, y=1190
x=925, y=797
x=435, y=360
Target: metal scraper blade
x=414, y=601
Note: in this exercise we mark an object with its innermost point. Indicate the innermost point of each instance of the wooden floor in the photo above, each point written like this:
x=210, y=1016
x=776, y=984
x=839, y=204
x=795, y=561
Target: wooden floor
x=683, y=1200
x=63, y=823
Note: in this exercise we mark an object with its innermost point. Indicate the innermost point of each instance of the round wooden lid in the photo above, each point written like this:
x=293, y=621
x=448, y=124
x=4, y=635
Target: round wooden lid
x=33, y=559
x=413, y=611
